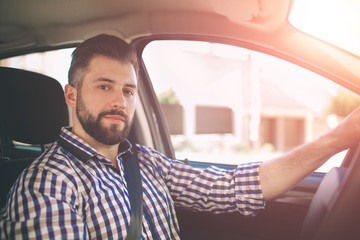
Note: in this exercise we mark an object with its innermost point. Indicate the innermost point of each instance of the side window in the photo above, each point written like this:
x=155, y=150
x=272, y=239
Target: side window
x=51, y=63
x=225, y=104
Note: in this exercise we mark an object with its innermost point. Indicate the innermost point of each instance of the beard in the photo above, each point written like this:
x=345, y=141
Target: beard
x=92, y=125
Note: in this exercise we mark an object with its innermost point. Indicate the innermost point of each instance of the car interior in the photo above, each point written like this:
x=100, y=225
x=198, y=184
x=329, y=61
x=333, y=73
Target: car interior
x=33, y=110
x=29, y=116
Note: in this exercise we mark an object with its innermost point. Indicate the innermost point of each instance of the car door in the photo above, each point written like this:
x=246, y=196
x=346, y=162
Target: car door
x=216, y=103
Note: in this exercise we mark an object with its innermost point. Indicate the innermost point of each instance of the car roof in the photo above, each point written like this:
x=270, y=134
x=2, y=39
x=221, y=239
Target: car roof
x=73, y=21
x=31, y=25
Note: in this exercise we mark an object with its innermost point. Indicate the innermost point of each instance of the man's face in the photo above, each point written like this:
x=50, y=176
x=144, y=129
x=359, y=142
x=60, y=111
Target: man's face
x=106, y=102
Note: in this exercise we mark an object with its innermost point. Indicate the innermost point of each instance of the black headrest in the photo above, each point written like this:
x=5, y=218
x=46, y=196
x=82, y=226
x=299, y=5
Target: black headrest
x=32, y=107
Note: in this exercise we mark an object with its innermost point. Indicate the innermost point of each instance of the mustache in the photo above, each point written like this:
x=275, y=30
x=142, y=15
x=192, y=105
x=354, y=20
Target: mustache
x=114, y=112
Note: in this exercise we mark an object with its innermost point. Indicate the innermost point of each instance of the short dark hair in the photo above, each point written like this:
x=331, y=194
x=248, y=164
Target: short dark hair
x=104, y=45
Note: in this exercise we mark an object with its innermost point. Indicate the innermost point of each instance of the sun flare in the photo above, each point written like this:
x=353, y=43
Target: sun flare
x=334, y=21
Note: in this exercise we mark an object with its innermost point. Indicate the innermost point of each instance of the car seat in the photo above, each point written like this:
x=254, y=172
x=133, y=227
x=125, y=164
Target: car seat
x=33, y=110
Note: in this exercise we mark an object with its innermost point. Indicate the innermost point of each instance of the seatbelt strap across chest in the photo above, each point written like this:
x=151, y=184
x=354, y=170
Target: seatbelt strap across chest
x=134, y=186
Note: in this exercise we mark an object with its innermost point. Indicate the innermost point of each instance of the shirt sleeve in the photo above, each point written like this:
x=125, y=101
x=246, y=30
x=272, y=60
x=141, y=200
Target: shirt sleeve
x=42, y=205
x=213, y=189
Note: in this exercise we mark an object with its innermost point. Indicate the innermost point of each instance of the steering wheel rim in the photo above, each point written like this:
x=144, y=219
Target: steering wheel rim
x=334, y=212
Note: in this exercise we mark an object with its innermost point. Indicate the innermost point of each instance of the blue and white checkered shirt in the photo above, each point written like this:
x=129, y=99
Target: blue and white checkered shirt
x=61, y=196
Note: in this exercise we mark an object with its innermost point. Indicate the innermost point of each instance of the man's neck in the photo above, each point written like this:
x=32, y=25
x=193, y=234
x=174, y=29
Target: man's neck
x=108, y=151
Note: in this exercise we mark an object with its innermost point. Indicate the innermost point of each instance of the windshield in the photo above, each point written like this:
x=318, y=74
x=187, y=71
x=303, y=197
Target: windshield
x=336, y=21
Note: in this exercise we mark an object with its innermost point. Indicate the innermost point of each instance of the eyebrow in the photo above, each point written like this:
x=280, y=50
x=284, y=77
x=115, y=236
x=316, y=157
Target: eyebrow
x=112, y=81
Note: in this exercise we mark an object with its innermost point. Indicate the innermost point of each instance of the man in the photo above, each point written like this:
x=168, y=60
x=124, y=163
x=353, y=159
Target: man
x=77, y=189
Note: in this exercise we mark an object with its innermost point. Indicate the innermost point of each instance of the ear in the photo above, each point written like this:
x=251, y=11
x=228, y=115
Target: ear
x=70, y=95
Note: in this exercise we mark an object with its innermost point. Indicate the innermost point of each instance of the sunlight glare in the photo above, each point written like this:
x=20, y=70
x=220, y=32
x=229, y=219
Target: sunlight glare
x=335, y=21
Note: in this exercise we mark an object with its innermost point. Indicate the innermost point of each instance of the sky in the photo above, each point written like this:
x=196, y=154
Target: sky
x=335, y=21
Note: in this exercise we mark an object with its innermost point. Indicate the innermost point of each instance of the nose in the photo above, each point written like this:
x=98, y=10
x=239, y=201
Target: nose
x=118, y=100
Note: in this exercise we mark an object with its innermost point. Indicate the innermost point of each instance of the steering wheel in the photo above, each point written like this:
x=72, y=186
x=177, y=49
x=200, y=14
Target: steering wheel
x=334, y=212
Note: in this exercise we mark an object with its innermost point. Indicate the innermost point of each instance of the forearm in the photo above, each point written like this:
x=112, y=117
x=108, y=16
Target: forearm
x=216, y=190
x=281, y=174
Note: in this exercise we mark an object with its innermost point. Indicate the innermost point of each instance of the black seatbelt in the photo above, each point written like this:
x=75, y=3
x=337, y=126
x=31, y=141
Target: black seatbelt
x=134, y=186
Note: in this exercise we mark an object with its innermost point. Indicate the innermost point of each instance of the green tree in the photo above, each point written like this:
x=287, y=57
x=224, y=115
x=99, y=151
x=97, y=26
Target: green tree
x=343, y=103
x=168, y=97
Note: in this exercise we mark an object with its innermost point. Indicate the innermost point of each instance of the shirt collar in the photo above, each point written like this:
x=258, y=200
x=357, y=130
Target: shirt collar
x=82, y=150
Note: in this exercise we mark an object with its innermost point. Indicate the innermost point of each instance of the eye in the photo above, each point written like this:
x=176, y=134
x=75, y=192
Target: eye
x=104, y=87
x=129, y=92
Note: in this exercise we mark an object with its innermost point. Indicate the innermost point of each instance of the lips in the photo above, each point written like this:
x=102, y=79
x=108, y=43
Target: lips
x=113, y=116
x=116, y=119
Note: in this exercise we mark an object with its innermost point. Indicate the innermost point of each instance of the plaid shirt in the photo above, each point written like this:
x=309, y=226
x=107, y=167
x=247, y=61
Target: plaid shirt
x=61, y=196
